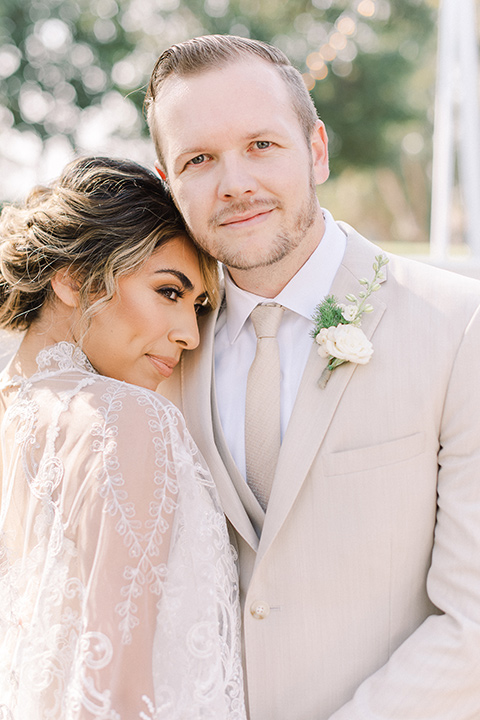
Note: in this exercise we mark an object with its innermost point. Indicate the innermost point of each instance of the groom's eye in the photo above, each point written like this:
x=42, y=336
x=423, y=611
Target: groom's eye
x=198, y=160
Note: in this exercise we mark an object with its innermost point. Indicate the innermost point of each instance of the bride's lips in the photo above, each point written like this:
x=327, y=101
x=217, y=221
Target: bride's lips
x=164, y=365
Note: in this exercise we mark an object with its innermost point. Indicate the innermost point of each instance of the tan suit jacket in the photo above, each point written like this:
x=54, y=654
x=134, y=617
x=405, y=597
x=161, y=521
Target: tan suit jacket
x=367, y=570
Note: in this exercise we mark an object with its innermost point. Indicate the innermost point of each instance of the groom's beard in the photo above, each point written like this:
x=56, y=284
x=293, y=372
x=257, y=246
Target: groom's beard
x=288, y=237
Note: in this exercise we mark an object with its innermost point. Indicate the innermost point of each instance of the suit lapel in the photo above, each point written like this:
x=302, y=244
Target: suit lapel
x=198, y=409
x=314, y=407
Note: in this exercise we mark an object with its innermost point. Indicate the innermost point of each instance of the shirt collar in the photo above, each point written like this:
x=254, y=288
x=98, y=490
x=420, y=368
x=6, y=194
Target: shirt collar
x=304, y=291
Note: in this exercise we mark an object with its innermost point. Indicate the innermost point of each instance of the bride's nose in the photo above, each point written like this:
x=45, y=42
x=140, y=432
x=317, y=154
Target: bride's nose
x=185, y=330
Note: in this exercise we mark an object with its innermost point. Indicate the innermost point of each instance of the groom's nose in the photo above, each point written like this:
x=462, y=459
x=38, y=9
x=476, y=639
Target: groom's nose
x=236, y=177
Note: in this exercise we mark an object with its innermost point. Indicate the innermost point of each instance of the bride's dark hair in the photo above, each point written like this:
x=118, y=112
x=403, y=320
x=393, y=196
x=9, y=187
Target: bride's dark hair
x=102, y=219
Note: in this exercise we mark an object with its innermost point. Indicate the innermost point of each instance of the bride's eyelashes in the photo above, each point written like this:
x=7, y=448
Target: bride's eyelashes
x=171, y=293
x=174, y=294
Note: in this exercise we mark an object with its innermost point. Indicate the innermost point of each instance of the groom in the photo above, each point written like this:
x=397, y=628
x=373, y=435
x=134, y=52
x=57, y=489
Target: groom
x=359, y=536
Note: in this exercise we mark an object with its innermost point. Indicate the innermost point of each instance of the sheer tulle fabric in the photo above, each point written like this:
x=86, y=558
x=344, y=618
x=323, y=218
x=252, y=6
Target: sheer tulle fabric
x=118, y=586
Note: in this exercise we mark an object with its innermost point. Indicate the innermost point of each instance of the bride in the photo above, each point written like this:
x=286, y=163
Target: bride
x=118, y=586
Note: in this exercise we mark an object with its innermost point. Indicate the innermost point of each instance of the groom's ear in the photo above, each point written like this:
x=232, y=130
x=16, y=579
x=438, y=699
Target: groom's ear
x=319, y=149
x=65, y=286
x=161, y=172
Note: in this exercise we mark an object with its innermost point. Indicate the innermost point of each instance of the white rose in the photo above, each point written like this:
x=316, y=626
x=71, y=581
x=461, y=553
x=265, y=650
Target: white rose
x=345, y=342
x=349, y=312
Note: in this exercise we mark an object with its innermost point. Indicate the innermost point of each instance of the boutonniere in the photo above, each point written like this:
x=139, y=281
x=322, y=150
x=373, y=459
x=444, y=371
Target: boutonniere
x=337, y=326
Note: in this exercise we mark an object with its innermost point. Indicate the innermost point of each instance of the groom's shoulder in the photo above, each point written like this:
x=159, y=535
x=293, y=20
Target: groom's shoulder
x=410, y=279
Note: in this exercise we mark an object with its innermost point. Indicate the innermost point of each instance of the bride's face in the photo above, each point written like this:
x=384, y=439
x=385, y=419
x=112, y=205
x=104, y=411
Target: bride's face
x=140, y=334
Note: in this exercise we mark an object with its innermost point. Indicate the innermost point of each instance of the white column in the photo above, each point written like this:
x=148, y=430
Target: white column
x=457, y=126
x=469, y=125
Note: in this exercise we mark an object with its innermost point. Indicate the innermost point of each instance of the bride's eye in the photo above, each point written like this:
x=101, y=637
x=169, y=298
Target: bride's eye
x=202, y=306
x=171, y=293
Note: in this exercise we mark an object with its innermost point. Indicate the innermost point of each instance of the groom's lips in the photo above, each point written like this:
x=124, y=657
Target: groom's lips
x=247, y=218
x=164, y=365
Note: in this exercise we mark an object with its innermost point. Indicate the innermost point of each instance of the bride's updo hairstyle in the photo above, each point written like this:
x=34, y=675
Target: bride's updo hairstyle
x=102, y=219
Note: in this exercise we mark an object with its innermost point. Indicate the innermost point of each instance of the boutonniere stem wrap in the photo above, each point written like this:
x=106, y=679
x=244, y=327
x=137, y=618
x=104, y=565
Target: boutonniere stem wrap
x=337, y=326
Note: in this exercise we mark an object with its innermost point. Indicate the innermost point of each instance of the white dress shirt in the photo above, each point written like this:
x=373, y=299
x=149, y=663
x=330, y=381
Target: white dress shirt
x=235, y=340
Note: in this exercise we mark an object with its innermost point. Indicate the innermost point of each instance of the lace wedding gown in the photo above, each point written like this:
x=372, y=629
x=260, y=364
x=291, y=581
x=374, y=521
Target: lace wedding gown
x=118, y=588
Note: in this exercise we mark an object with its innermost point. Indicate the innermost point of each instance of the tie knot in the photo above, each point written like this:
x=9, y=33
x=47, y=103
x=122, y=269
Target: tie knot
x=266, y=319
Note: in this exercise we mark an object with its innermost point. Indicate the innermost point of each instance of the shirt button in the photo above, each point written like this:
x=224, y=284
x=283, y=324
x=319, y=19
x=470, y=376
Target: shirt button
x=260, y=609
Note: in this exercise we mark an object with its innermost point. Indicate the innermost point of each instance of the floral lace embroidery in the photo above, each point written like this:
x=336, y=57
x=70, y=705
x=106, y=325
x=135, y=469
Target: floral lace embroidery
x=65, y=356
x=142, y=545
x=49, y=655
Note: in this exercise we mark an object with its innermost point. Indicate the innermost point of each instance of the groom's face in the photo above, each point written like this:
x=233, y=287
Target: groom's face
x=238, y=163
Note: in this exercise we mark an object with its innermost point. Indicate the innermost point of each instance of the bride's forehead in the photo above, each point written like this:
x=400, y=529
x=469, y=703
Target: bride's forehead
x=178, y=257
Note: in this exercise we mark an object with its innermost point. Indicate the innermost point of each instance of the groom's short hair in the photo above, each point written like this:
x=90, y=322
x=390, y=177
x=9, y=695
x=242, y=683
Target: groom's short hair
x=211, y=52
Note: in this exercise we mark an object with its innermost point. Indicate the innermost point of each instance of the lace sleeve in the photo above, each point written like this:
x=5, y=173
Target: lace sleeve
x=118, y=586
x=124, y=529
x=161, y=602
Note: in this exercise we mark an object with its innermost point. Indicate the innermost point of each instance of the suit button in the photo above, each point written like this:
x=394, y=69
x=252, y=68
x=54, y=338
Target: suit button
x=260, y=609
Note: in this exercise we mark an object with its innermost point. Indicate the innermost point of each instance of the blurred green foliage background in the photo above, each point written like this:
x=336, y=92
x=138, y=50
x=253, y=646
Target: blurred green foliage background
x=73, y=76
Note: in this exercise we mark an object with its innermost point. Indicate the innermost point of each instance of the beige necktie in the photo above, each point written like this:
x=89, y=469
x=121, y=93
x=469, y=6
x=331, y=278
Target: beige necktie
x=262, y=410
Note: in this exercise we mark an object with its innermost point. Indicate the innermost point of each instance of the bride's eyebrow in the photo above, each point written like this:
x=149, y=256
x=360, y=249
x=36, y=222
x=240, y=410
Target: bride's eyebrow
x=186, y=282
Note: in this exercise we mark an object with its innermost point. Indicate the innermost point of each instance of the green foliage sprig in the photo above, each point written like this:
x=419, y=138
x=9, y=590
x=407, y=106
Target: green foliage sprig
x=337, y=326
x=331, y=313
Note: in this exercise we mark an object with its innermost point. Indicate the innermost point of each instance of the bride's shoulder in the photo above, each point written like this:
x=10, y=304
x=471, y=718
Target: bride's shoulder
x=123, y=396
x=137, y=423
x=65, y=370
x=110, y=396
x=140, y=424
